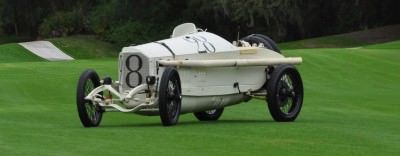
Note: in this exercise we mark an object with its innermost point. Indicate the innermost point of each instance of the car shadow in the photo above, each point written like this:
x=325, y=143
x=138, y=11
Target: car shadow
x=193, y=123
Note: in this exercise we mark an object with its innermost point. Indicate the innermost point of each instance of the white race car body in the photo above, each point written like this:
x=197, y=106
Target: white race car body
x=203, y=88
x=214, y=73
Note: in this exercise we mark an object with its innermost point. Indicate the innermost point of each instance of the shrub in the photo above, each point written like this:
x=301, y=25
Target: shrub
x=135, y=32
x=101, y=18
x=61, y=24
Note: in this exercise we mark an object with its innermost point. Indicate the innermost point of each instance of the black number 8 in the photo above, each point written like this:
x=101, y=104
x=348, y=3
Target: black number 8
x=133, y=71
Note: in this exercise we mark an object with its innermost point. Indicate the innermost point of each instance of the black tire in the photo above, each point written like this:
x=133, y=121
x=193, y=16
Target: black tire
x=259, y=38
x=210, y=115
x=170, y=97
x=90, y=114
x=285, y=93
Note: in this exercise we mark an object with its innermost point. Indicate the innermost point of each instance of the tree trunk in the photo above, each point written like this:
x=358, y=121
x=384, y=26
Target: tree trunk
x=15, y=21
x=16, y=29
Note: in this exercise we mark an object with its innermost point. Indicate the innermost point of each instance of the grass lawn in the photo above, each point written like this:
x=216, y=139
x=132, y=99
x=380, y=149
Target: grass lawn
x=336, y=41
x=389, y=45
x=13, y=52
x=85, y=47
x=79, y=47
x=351, y=107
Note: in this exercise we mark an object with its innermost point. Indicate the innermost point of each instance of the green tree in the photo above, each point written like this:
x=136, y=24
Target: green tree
x=280, y=19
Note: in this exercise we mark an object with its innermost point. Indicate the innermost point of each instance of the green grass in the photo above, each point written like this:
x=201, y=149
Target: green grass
x=13, y=52
x=388, y=45
x=79, y=47
x=351, y=107
x=335, y=41
x=85, y=47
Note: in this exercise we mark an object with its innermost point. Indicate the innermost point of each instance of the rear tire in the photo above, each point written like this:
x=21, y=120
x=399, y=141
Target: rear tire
x=285, y=93
x=170, y=97
x=259, y=38
x=210, y=115
x=90, y=113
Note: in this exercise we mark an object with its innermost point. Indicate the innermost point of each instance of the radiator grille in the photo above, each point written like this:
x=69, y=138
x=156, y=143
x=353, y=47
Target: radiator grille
x=134, y=67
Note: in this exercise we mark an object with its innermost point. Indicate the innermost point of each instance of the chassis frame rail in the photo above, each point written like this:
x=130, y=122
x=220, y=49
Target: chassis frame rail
x=231, y=62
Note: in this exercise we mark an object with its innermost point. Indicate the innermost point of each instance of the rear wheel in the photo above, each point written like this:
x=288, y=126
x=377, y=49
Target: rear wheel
x=209, y=115
x=170, y=97
x=90, y=113
x=265, y=40
x=285, y=93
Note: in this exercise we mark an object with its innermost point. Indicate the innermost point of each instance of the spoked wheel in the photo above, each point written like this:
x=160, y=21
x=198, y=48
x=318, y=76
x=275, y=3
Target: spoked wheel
x=285, y=93
x=265, y=40
x=170, y=97
x=209, y=115
x=90, y=113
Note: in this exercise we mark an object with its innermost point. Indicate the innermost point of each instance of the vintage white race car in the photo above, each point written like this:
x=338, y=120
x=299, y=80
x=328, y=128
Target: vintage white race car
x=194, y=72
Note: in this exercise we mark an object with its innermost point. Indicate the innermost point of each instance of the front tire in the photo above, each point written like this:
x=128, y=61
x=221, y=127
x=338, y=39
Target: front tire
x=285, y=93
x=90, y=113
x=209, y=115
x=170, y=97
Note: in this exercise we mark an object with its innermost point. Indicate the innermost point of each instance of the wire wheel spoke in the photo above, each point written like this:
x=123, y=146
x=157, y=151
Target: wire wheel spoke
x=172, y=109
x=88, y=87
x=90, y=107
x=171, y=90
x=91, y=111
x=286, y=108
x=211, y=111
x=286, y=94
x=173, y=94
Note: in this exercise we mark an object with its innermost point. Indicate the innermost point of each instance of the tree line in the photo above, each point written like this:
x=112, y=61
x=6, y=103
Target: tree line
x=125, y=22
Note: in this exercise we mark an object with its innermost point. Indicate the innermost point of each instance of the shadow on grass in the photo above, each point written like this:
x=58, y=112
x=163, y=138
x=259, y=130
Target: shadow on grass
x=219, y=123
x=193, y=123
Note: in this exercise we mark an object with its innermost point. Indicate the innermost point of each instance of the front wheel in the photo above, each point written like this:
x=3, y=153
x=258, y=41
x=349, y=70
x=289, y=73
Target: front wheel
x=209, y=115
x=285, y=93
x=89, y=112
x=170, y=97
